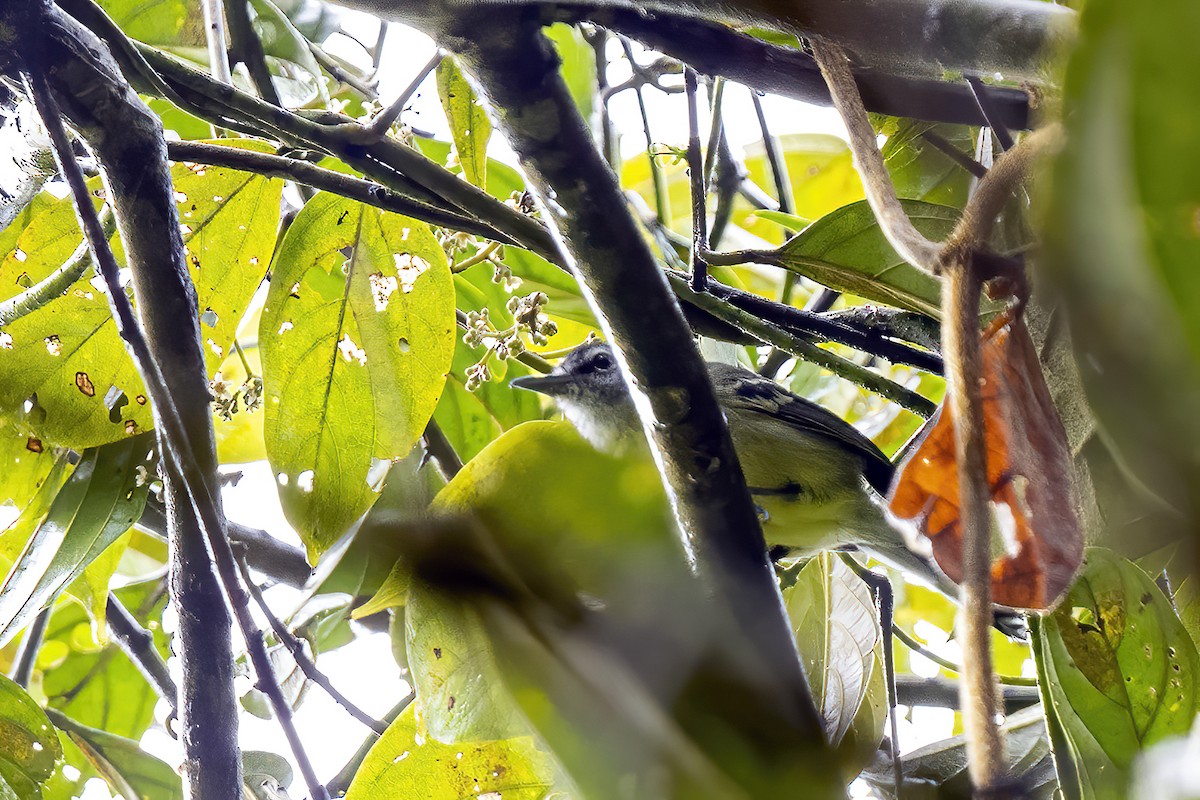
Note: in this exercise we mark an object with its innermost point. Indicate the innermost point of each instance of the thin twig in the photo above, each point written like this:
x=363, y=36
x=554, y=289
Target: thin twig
x=979, y=90
x=181, y=461
x=804, y=348
x=214, y=35
x=306, y=664
x=439, y=447
x=328, y=180
x=913, y=644
x=248, y=49
x=138, y=644
x=26, y=658
x=697, y=174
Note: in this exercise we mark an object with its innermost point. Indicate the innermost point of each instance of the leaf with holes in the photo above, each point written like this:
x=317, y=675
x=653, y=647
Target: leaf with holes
x=28, y=744
x=1123, y=670
x=846, y=250
x=356, y=341
x=469, y=124
x=66, y=378
x=403, y=763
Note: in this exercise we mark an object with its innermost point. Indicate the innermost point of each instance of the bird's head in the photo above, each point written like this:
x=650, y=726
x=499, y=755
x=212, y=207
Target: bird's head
x=588, y=387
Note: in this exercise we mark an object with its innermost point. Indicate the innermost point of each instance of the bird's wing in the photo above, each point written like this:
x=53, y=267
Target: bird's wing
x=751, y=392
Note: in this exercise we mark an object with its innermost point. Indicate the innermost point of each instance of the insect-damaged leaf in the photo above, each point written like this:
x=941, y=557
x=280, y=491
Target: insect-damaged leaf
x=1029, y=473
x=65, y=364
x=356, y=341
x=28, y=744
x=469, y=123
x=1123, y=672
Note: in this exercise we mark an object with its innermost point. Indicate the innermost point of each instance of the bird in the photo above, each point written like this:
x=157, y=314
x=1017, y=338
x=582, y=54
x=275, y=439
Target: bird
x=816, y=481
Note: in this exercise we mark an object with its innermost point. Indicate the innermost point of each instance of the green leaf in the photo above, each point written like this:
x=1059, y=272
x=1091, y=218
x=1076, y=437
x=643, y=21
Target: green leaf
x=460, y=695
x=90, y=588
x=99, y=502
x=411, y=484
x=628, y=523
x=847, y=251
x=939, y=770
x=28, y=743
x=578, y=65
x=357, y=338
x=266, y=774
x=404, y=764
x=128, y=770
x=162, y=23
x=28, y=463
x=469, y=124
x=838, y=634
x=67, y=355
x=1124, y=670
x=96, y=684
x=1121, y=239
x=919, y=170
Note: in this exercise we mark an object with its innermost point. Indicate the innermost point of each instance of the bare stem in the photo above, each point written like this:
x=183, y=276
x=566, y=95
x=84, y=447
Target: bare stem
x=912, y=246
x=986, y=752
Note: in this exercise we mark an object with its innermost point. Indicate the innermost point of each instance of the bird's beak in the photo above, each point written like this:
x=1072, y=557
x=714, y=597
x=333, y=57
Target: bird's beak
x=546, y=384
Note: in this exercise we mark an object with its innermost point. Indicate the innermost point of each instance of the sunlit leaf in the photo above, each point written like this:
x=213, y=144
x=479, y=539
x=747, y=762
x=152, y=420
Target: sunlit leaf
x=404, y=764
x=27, y=464
x=1029, y=472
x=67, y=364
x=97, y=685
x=28, y=743
x=1123, y=670
x=129, y=770
x=469, y=124
x=837, y=630
x=99, y=502
x=460, y=696
x=846, y=250
x=163, y=23
x=90, y=587
x=356, y=339
x=578, y=64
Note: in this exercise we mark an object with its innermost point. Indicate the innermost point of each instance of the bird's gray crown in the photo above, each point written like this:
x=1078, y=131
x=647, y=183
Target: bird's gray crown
x=591, y=393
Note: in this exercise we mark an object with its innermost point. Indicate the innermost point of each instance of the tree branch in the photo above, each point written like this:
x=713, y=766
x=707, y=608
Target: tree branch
x=127, y=138
x=601, y=243
x=138, y=644
x=716, y=49
x=167, y=301
x=306, y=664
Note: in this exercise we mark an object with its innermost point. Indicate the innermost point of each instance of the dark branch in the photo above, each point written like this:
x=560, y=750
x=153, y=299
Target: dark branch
x=138, y=644
x=715, y=49
x=601, y=242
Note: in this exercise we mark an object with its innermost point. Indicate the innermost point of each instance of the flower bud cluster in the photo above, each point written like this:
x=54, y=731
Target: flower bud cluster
x=225, y=398
x=529, y=319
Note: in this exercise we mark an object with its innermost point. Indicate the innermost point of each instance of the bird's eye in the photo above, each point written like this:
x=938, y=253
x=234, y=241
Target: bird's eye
x=600, y=361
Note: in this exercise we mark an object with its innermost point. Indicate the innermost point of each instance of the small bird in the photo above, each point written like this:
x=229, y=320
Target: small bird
x=818, y=483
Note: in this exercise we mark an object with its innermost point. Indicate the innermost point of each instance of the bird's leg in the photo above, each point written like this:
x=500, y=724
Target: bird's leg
x=881, y=590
